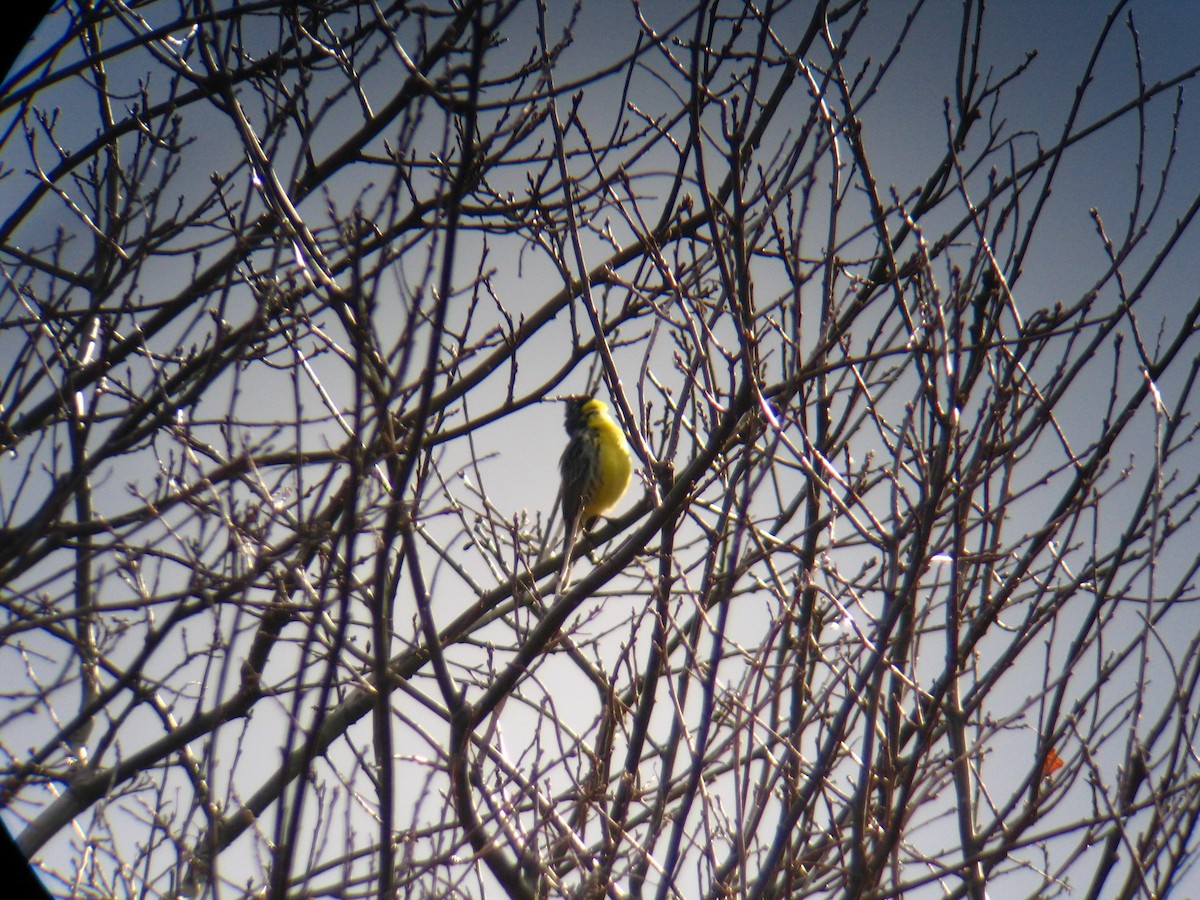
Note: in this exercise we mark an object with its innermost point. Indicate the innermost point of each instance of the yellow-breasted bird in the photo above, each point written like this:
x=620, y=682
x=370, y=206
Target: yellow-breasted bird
x=595, y=466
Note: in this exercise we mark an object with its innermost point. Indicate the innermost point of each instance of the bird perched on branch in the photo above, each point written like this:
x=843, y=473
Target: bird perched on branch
x=595, y=467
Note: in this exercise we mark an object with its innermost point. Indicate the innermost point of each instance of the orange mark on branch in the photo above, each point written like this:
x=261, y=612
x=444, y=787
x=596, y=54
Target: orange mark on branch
x=1052, y=763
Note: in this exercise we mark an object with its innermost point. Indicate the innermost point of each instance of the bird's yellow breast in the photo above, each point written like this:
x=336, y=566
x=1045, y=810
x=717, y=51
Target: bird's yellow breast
x=615, y=463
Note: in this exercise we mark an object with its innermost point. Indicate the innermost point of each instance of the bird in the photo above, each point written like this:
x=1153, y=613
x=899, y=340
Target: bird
x=595, y=466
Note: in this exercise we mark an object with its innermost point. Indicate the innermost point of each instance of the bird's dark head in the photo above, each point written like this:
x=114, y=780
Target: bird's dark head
x=578, y=411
